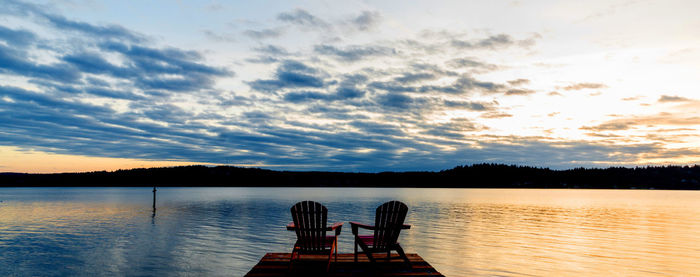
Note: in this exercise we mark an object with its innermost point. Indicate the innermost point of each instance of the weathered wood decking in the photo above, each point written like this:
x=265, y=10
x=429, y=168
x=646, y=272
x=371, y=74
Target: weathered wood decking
x=277, y=264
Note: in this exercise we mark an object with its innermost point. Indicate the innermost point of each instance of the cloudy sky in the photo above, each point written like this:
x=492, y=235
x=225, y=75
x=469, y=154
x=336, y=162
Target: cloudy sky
x=348, y=85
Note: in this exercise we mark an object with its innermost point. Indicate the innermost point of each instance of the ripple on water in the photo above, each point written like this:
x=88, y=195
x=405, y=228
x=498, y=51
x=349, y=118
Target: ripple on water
x=467, y=232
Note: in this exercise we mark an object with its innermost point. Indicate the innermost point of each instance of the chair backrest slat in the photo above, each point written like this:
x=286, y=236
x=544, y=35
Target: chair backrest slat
x=310, y=219
x=387, y=223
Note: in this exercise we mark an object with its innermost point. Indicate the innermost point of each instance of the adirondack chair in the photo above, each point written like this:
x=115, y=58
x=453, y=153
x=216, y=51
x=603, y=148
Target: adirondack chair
x=309, y=223
x=388, y=223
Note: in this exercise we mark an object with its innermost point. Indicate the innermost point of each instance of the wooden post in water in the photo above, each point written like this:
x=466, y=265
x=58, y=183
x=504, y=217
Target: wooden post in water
x=154, y=200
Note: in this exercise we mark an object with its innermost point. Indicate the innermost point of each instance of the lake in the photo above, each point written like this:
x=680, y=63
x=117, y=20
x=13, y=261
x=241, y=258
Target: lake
x=461, y=232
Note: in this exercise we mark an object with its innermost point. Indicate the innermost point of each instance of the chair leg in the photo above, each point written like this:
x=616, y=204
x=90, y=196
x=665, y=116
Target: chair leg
x=371, y=258
x=355, y=249
x=291, y=260
x=365, y=250
x=328, y=266
x=330, y=256
x=403, y=255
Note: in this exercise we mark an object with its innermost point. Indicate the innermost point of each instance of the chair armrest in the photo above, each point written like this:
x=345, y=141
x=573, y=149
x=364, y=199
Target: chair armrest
x=355, y=225
x=338, y=226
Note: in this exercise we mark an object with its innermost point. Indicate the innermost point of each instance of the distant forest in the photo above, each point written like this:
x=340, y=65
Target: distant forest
x=469, y=176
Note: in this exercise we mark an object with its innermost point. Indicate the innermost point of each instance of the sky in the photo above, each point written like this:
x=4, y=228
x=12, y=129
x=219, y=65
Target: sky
x=355, y=86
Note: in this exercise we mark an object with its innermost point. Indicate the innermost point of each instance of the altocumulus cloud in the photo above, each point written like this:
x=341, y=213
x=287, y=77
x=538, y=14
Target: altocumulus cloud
x=353, y=53
x=41, y=15
x=366, y=20
x=291, y=74
x=303, y=18
x=111, y=92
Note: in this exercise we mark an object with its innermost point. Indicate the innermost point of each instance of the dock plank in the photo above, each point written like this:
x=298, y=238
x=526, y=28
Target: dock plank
x=277, y=264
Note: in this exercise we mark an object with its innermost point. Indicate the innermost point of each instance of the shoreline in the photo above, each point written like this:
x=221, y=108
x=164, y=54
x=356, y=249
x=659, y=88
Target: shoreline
x=474, y=176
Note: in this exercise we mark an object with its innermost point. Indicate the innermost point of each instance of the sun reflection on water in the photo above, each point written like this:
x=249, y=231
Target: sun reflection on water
x=461, y=232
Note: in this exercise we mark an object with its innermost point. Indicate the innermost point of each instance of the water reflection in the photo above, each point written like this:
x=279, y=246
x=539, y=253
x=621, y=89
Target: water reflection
x=214, y=231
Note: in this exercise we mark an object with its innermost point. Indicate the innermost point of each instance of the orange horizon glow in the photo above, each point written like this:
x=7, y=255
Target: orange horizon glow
x=14, y=160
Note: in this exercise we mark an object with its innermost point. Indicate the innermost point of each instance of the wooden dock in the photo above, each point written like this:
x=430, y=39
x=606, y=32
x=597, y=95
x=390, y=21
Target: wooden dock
x=277, y=264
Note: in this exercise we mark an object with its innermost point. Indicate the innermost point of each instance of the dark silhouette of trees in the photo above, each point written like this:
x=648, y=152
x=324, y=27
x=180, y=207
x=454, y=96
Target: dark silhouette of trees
x=467, y=176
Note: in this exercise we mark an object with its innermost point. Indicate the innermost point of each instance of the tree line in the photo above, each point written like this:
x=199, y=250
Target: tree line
x=466, y=176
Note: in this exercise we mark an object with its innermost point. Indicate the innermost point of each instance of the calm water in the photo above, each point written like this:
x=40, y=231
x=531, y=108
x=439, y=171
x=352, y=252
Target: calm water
x=225, y=231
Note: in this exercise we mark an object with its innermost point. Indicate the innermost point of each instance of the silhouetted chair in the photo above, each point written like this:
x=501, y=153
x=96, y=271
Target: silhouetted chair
x=388, y=223
x=309, y=223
